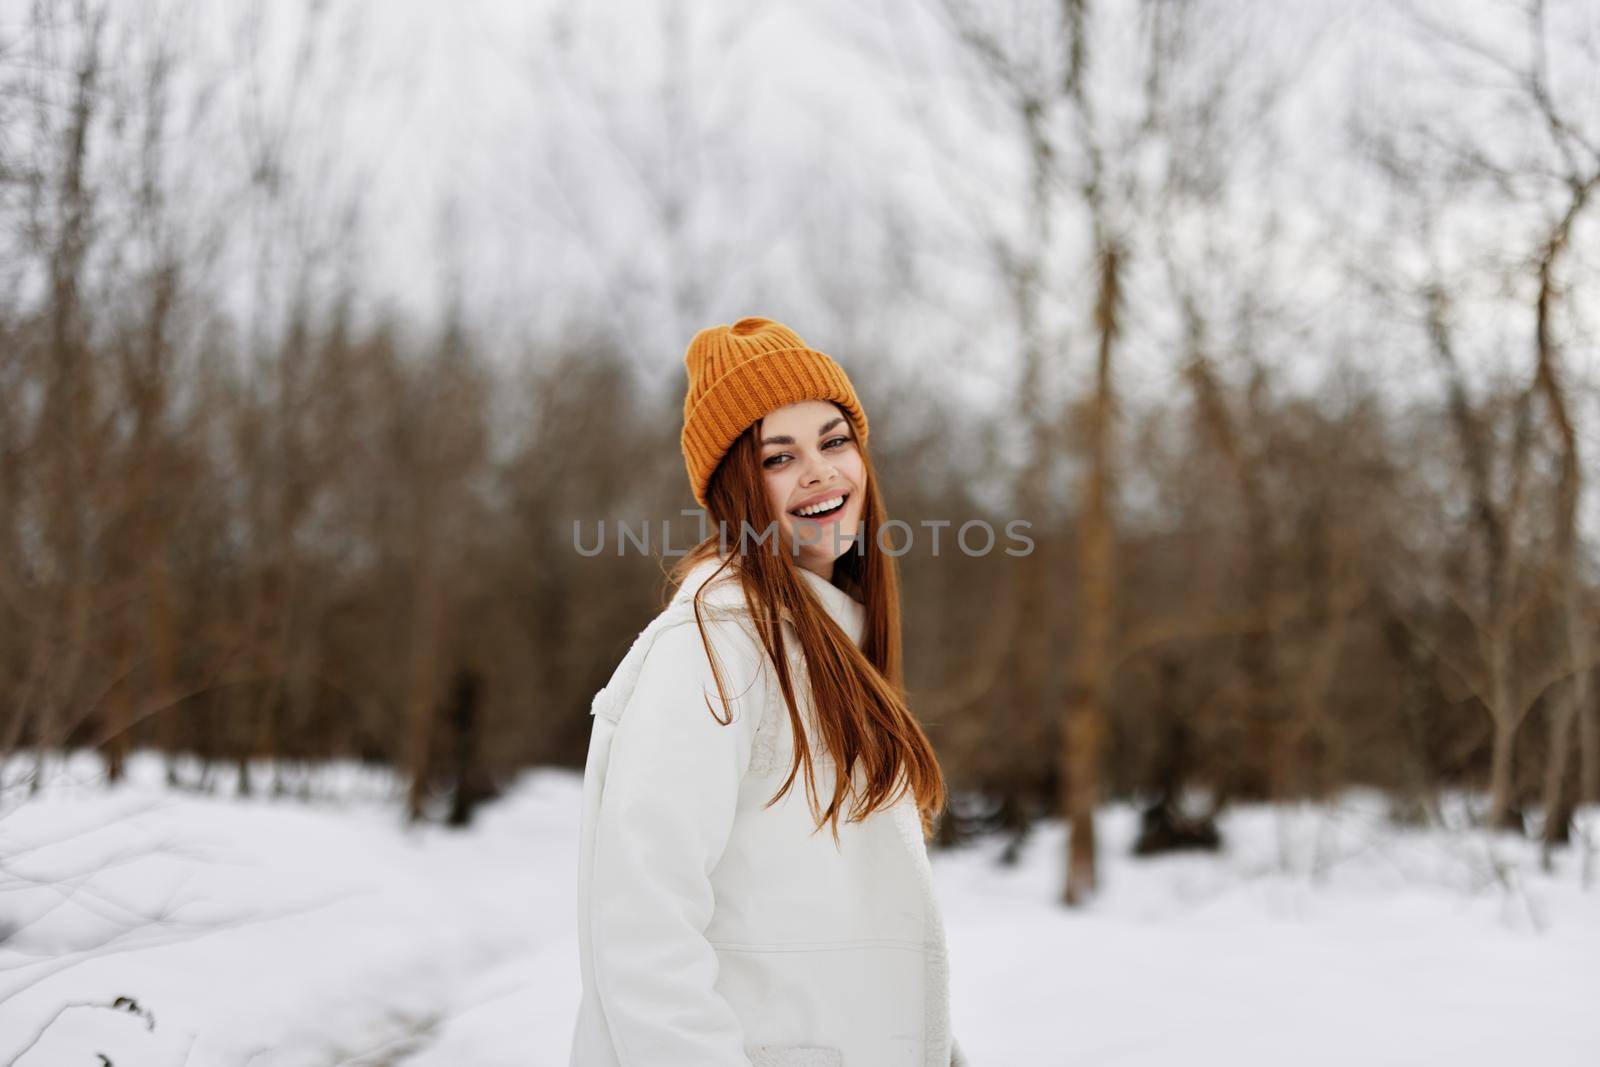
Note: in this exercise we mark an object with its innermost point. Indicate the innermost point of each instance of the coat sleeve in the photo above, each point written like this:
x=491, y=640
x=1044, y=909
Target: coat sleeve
x=665, y=817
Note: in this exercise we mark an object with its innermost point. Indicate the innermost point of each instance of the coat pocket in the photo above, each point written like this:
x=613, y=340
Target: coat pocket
x=795, y=1056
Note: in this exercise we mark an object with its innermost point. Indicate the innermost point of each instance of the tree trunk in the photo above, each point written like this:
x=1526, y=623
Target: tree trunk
x=1558, y=802
x=1589, y=752
x=118, y=715
x=421, y=704
x=1557, y=797
x=1084, y=728
x=473, y=784
x=1501, y=814
x=69, y=401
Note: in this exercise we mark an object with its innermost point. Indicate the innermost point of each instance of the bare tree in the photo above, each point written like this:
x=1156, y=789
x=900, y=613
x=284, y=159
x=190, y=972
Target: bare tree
x=1525, y=586
x=1047, y=64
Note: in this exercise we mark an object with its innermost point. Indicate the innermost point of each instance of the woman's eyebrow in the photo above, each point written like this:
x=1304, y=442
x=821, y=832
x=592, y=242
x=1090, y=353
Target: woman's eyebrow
x=785, y=439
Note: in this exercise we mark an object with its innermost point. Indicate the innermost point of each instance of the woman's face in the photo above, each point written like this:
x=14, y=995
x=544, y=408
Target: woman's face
x=810, y=459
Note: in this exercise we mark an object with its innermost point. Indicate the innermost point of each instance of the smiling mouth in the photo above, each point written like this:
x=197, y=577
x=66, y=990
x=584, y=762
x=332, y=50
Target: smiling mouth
x=824, y=514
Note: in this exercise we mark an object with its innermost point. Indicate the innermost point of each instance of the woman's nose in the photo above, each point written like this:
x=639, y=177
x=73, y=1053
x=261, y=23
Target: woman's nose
x=820, y=471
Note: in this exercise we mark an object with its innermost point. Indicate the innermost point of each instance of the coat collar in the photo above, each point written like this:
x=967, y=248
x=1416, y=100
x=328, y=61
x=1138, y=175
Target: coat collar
x=726, y=592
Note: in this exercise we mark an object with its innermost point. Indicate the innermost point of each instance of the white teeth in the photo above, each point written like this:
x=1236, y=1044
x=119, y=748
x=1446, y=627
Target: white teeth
x=822, y=505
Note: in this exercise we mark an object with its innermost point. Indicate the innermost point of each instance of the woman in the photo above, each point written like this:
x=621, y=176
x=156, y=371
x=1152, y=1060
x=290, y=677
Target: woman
x=717, y=926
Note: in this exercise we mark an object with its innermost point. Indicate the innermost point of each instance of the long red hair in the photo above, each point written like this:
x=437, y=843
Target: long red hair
x=858, y=694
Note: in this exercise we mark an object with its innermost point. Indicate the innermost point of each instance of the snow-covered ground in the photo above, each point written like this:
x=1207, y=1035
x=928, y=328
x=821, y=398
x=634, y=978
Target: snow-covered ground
x=279, y=932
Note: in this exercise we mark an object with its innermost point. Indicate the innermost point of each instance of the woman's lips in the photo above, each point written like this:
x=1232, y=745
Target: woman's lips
x=832, y=516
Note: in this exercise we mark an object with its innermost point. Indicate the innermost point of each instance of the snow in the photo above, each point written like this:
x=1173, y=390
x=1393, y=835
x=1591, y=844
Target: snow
x=277, y=931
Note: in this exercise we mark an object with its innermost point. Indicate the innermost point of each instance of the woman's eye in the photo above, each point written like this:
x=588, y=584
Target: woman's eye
x=830, y=443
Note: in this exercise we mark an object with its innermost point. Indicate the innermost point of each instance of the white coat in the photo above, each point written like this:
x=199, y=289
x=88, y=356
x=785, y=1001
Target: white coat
x=714, y=932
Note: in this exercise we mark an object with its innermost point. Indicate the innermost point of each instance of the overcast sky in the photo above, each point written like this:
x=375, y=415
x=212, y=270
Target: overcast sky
x=521, y=155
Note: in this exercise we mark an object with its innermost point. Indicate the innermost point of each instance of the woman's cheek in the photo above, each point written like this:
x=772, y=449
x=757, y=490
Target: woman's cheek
x=776, y=495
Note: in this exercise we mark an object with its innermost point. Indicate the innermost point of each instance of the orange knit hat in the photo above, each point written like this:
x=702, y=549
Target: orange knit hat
x=739, y=373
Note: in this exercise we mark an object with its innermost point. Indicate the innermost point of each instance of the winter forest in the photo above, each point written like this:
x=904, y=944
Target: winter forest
x=330, y=331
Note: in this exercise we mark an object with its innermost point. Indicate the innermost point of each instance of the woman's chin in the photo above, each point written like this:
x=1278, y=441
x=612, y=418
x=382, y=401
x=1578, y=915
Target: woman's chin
x=829, y=546
x=822, y=540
